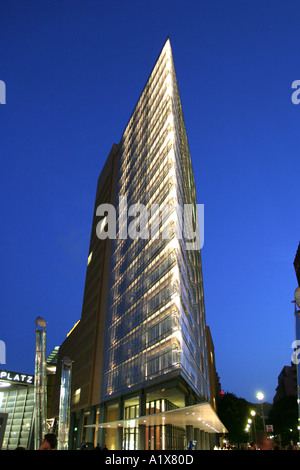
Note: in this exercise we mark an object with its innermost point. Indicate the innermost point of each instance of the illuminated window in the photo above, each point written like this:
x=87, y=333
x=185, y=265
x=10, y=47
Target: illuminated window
x=76, y=396
x=90, y=258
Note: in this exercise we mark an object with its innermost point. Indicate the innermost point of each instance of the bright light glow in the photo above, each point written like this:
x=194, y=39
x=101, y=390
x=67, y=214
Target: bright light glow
x=173, y=194
x=177, y=334
x=175, y=273
x=260, y=396
x=73, y=328
x=76, y=397
x=102, y=224
x=174, y=244
x=4, y=384
x=176, y=299
x=89, y=258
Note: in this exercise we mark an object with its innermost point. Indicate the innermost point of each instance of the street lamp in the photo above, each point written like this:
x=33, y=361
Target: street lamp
x=253, y=415
x=247, y=429
x=260, y=397
x=249, y=421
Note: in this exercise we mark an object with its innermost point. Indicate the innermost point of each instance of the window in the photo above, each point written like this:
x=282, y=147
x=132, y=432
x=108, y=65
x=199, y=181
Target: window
x=76, y=396
x=90, y=258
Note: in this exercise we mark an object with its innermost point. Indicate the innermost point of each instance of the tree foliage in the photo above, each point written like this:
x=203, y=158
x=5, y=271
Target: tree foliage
x=284, y=417
x=234, y=413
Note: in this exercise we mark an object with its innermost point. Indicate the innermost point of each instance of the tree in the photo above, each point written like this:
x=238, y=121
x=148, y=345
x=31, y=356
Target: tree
x=284, y=417
x=234, y=413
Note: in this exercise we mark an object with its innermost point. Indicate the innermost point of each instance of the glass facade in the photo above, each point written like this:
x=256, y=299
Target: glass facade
x=140, y=350
x=155, y=318
x=18, y=402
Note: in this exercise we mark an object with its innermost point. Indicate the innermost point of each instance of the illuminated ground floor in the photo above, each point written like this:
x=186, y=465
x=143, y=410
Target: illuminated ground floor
x=160, y=419
x=16, y=410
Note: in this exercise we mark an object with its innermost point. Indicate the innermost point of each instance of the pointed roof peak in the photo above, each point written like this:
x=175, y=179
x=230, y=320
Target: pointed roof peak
x=167, y=42
x=166, y=48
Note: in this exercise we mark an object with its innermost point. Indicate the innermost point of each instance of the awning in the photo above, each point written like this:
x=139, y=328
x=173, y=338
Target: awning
x=201, y=416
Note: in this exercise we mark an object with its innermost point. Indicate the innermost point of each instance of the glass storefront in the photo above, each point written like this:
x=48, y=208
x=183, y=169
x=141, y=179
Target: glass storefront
x=18, y=402
x=165, y=437
x=157, y=437
x=131, y=439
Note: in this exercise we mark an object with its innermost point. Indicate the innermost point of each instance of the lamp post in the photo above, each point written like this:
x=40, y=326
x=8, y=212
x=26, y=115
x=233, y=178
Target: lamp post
x=253, y=416
x=260, y=397
x=249, y=424
x=40, y=383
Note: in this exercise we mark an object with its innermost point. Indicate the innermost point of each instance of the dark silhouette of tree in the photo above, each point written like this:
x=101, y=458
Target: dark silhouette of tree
x=234, y=413
x=284, y=417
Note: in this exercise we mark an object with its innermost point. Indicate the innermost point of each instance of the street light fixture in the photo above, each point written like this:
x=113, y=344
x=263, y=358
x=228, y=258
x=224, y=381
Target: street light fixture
x=260, y=397
x=253, y=415
x=248, y=427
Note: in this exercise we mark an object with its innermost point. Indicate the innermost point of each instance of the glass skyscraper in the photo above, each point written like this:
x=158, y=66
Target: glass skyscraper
x=148, y=384
x=155, y=319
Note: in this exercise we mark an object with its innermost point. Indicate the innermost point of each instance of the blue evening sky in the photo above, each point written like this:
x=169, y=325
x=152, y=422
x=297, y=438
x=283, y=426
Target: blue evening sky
x=74, y=70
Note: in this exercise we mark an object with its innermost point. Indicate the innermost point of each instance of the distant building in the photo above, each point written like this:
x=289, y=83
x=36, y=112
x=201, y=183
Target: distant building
x=287, y=383
x=214, y=380
x=141, y=366
x=297, y=264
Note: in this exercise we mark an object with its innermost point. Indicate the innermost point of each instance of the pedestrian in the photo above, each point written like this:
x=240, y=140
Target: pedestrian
x=49, y=442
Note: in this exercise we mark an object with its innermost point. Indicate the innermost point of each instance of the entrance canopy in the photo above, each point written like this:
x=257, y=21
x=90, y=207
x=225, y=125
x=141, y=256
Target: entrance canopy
x=201, y=416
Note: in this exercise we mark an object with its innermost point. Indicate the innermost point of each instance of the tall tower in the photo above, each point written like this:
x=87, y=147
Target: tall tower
x=142, y=335
x=155, y=318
